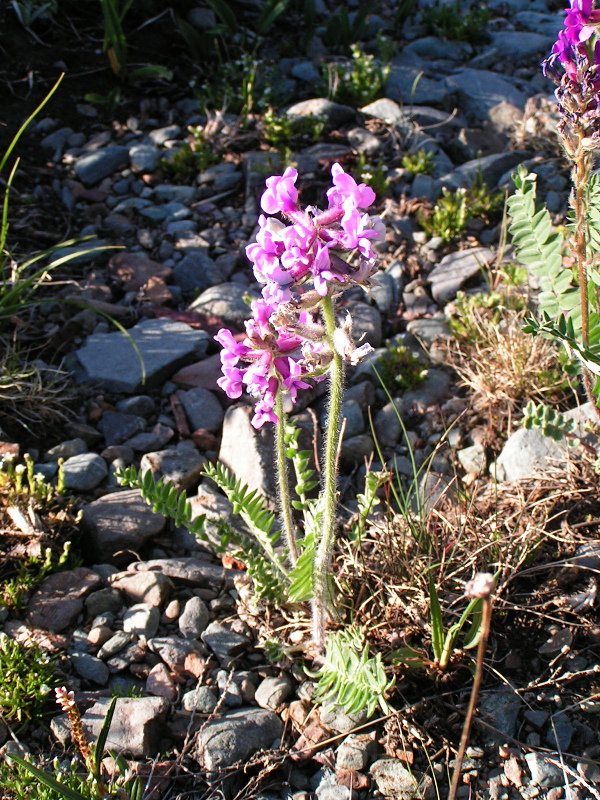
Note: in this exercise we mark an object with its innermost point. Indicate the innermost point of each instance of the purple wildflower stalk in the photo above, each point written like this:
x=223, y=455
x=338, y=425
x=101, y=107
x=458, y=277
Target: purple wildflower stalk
x=292, y=340
x=574, y=65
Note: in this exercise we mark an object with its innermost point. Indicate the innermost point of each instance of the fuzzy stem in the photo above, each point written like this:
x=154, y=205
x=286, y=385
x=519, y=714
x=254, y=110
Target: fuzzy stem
x=581, y=175
x=283, y=485
x=325, y=546
x=486, y=619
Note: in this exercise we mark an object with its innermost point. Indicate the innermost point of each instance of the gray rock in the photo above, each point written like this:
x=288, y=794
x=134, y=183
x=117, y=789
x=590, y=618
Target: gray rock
x=173, y=650
x=144, y=158
x=546, y=24
x=90, y=668
x=429, y=330
x=520, y=44
x=120, y=521
x=390, y=112
x=543, y=772
x=116, y=427
x=384, y=292
x=161, y=135
x=190, y=571
x=224, y=643
x=455, y=269
x=61, y=730
x=355, y=752
x=335, y=717
x=353, y=419
x=169, y=191
x=356, y=449
x=57, y=140
x=236, y=736
x=72, y=447
x=225, y=301
x=104, y=601
x=202, y=699
x=408, y=85
x=307, y=72
x=480, y=90
x=473, y=459
x=143, y=587
x=140, y=405
x=364, y=141
x=387, y=424
x=433, y=46
x=501, y=709
x=180, y=466
x=195, y=273
x=366, y=324
x=560, y=732
x=80, y=254
x=142, y=619
x=202, y=408
x=334, y=113
x=248, y=452
x=83, y=473
x=426, y=186
x=526, y=453
x=194, y=618
x=432, y=391
x=115, y=644
x=230, y=690
x=490, y=168
x=137, y=726
x=394, y=780
x=110, y=360
x=272, y=692
x=93, y=167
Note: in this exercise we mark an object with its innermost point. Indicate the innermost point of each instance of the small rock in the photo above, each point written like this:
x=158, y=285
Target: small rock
x=272, y=692
x=92, y=167
x=236, y=736
x=501, y=709
x=455, y=269
x=334, y=113
x=202, y=408
x=104, y=601
x=224, y=642
x=202, y=699
x=84, y=472
x=66, y=450
x=225, y=301
x=58, y=601
x=142, y=619
x=137, y=726
x=394, y=780
x=248, y=452
x=173, y=650
x=143, y=587
x=160, y=683
x=90, y=668
x=180, y=466
x=115, y=644
x=355, y=752
x=544, y=773
x=336, y=718
x=194, y=619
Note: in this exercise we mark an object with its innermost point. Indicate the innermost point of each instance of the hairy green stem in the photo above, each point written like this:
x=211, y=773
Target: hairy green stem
x=283, y=482
x=581, y=176
x=486, y=619
x=325, y=546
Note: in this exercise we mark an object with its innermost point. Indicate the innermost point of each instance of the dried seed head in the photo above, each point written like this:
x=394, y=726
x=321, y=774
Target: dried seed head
x=481, y=586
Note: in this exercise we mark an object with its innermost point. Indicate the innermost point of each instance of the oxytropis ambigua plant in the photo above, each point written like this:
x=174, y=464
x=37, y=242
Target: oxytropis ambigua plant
x=569, y=301
x=294, y=339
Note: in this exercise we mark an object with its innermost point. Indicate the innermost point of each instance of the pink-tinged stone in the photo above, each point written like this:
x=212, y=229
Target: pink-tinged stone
x=137, y=726
x=153, y=588
x=135, y=270
x=160, y=683
x=59, y=600
x=204, y=374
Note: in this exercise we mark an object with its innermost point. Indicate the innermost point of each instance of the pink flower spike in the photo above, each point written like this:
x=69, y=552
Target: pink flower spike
x=281, y=195
x=345, y=191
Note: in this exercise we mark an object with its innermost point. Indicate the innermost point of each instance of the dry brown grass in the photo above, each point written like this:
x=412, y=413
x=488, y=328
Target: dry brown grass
x=502, y=366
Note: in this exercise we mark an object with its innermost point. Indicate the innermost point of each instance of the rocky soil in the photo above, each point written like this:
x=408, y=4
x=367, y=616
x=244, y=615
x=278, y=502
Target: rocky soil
x=152, y=615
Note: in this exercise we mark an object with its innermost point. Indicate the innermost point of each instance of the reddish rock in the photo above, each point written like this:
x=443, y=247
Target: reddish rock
x=156, y=291
x=204, y=373
x=135, y=270
x=59, y=600
x=204, y=440
x=137, y=726
x=160, y=683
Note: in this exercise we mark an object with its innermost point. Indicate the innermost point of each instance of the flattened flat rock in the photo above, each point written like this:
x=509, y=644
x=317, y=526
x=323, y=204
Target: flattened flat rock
x=407, y=85
x=110, y=360
x=480, y=90
x=180, y=466
x=93, y=167
x=456, y=268
x=143, y=587
x=236, y=736
x=59, y=600
x=135, y=270
x=248, y=452
x=224, y=643
x=120, y=521
x=189, y=571
x=137, y=726
x=334, y=113
x=225, y=301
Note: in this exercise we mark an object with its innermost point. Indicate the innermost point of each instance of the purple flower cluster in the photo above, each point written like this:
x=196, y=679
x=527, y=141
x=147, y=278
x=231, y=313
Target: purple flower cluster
x=578, y=46
x=299, y=263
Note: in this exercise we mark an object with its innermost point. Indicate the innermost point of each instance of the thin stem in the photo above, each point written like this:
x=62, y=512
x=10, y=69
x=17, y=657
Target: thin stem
x=581, y=175
x=325, y=546
x=283, y=482
x=486, y=619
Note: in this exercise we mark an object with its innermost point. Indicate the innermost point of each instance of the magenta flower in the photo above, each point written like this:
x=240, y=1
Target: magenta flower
x=347, y=193
x=281, y=195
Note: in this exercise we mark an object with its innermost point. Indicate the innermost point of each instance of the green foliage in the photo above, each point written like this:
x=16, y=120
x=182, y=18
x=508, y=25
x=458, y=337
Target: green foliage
x=451, y=22
x=359, y=81
x=115, y=45
x=31, y=572
x=305, y=475
x=401, y=369
x=21, y=782
x=540, y=248
x=443, y=642
x=194, y=156
x=367, y=500
x=27, y=674
x=462, y=320
x=372, y=174
x=349, y=677
x=240, y=86
x=404, y=10
x=342, y=32
x=551, y=423
x=419, y=162
x=280, y=130
x=453, y=210
x=108, y=103
x=28, y=11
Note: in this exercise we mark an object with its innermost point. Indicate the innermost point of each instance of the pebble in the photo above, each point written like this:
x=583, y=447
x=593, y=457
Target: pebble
x=142, y=619
x=272, y=692
x=84, y=472
x=194, y=618
x=202, y=699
